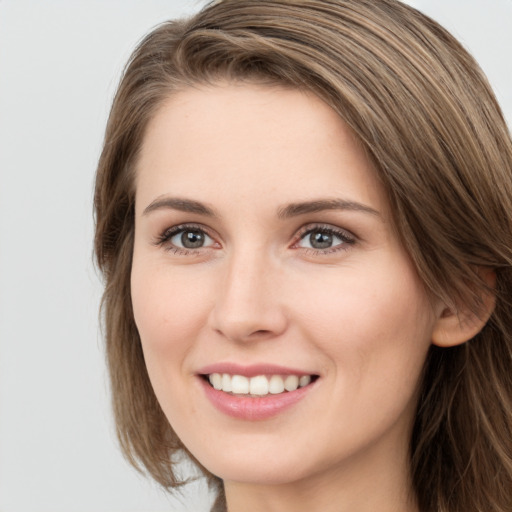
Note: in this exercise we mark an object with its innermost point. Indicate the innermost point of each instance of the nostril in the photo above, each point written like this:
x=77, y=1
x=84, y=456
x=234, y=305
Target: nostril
x=261, y=332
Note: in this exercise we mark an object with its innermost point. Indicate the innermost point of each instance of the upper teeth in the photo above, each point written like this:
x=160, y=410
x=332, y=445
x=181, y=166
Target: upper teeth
x=260, y=385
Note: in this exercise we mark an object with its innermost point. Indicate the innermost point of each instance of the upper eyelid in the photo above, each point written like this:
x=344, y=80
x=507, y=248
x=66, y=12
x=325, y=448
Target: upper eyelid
x=186, y=226
x=307, y=228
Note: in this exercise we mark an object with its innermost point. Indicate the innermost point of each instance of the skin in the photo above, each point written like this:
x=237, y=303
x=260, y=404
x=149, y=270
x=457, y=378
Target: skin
x=356, y=313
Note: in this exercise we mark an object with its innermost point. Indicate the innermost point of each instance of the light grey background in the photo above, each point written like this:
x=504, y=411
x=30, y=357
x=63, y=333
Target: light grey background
x=59, y=64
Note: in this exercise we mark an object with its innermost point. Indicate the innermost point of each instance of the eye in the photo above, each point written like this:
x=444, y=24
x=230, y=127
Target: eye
x=182, y=239
x=191, y=239
x=326, y=239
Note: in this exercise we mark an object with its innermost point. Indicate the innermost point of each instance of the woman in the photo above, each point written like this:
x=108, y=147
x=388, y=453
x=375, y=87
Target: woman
x=304, y=223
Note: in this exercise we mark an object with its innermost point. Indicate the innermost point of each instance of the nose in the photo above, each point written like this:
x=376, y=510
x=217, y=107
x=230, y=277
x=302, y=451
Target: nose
x=248, y=305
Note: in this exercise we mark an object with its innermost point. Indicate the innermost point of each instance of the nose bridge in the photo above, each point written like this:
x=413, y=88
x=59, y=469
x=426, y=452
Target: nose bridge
x=247, y=305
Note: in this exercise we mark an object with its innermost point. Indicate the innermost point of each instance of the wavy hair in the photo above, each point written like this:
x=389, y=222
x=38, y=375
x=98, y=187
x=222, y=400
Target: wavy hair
x=427, y=117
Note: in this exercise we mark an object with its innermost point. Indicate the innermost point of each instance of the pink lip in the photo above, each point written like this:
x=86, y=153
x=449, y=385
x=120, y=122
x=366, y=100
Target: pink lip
x=252, y=408
x=251, y=370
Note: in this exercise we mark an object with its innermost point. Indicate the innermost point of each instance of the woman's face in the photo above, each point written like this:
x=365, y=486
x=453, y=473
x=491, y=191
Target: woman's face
x=265, y=258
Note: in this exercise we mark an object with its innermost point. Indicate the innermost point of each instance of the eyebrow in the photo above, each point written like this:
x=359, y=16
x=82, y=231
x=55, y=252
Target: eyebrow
x=177, y=203
x=285, y=212
x=296, y=209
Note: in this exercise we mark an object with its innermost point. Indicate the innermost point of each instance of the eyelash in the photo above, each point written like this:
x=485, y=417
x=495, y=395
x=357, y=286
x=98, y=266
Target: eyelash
x=164, y=240
x=347, y=239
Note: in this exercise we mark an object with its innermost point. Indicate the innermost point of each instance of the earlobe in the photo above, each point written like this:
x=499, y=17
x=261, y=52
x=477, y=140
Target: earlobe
x=456, y=327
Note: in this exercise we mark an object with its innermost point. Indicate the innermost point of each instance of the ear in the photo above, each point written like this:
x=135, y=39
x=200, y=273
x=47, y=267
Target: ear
x=454, y=327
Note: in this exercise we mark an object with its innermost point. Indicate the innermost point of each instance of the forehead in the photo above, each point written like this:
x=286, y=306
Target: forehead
x=219, y=141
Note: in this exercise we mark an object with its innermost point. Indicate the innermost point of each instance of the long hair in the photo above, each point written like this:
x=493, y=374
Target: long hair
x=427, y=117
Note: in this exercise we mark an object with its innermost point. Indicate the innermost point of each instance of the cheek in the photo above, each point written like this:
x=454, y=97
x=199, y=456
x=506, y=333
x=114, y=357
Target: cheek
x=374, y=327
x=169, y=308
x=374, y=324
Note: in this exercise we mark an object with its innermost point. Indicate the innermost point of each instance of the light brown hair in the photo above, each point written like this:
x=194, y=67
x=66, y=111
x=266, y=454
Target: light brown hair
x=428, y=118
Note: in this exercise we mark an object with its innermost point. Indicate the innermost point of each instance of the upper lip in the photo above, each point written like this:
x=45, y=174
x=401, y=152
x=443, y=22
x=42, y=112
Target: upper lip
x=251, y=370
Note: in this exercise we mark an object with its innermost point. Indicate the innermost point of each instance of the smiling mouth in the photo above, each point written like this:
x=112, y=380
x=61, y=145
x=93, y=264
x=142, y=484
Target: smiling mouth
x=258, y=386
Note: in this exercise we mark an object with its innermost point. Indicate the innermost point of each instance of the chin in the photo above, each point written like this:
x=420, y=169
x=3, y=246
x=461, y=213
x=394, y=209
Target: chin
x=268, y=462
x=257, y=473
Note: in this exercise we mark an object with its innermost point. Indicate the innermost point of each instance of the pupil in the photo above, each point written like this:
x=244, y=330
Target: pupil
x=192, y=239
x=320, y=240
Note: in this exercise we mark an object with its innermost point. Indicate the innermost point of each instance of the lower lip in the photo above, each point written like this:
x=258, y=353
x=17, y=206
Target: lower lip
x=253, y=408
